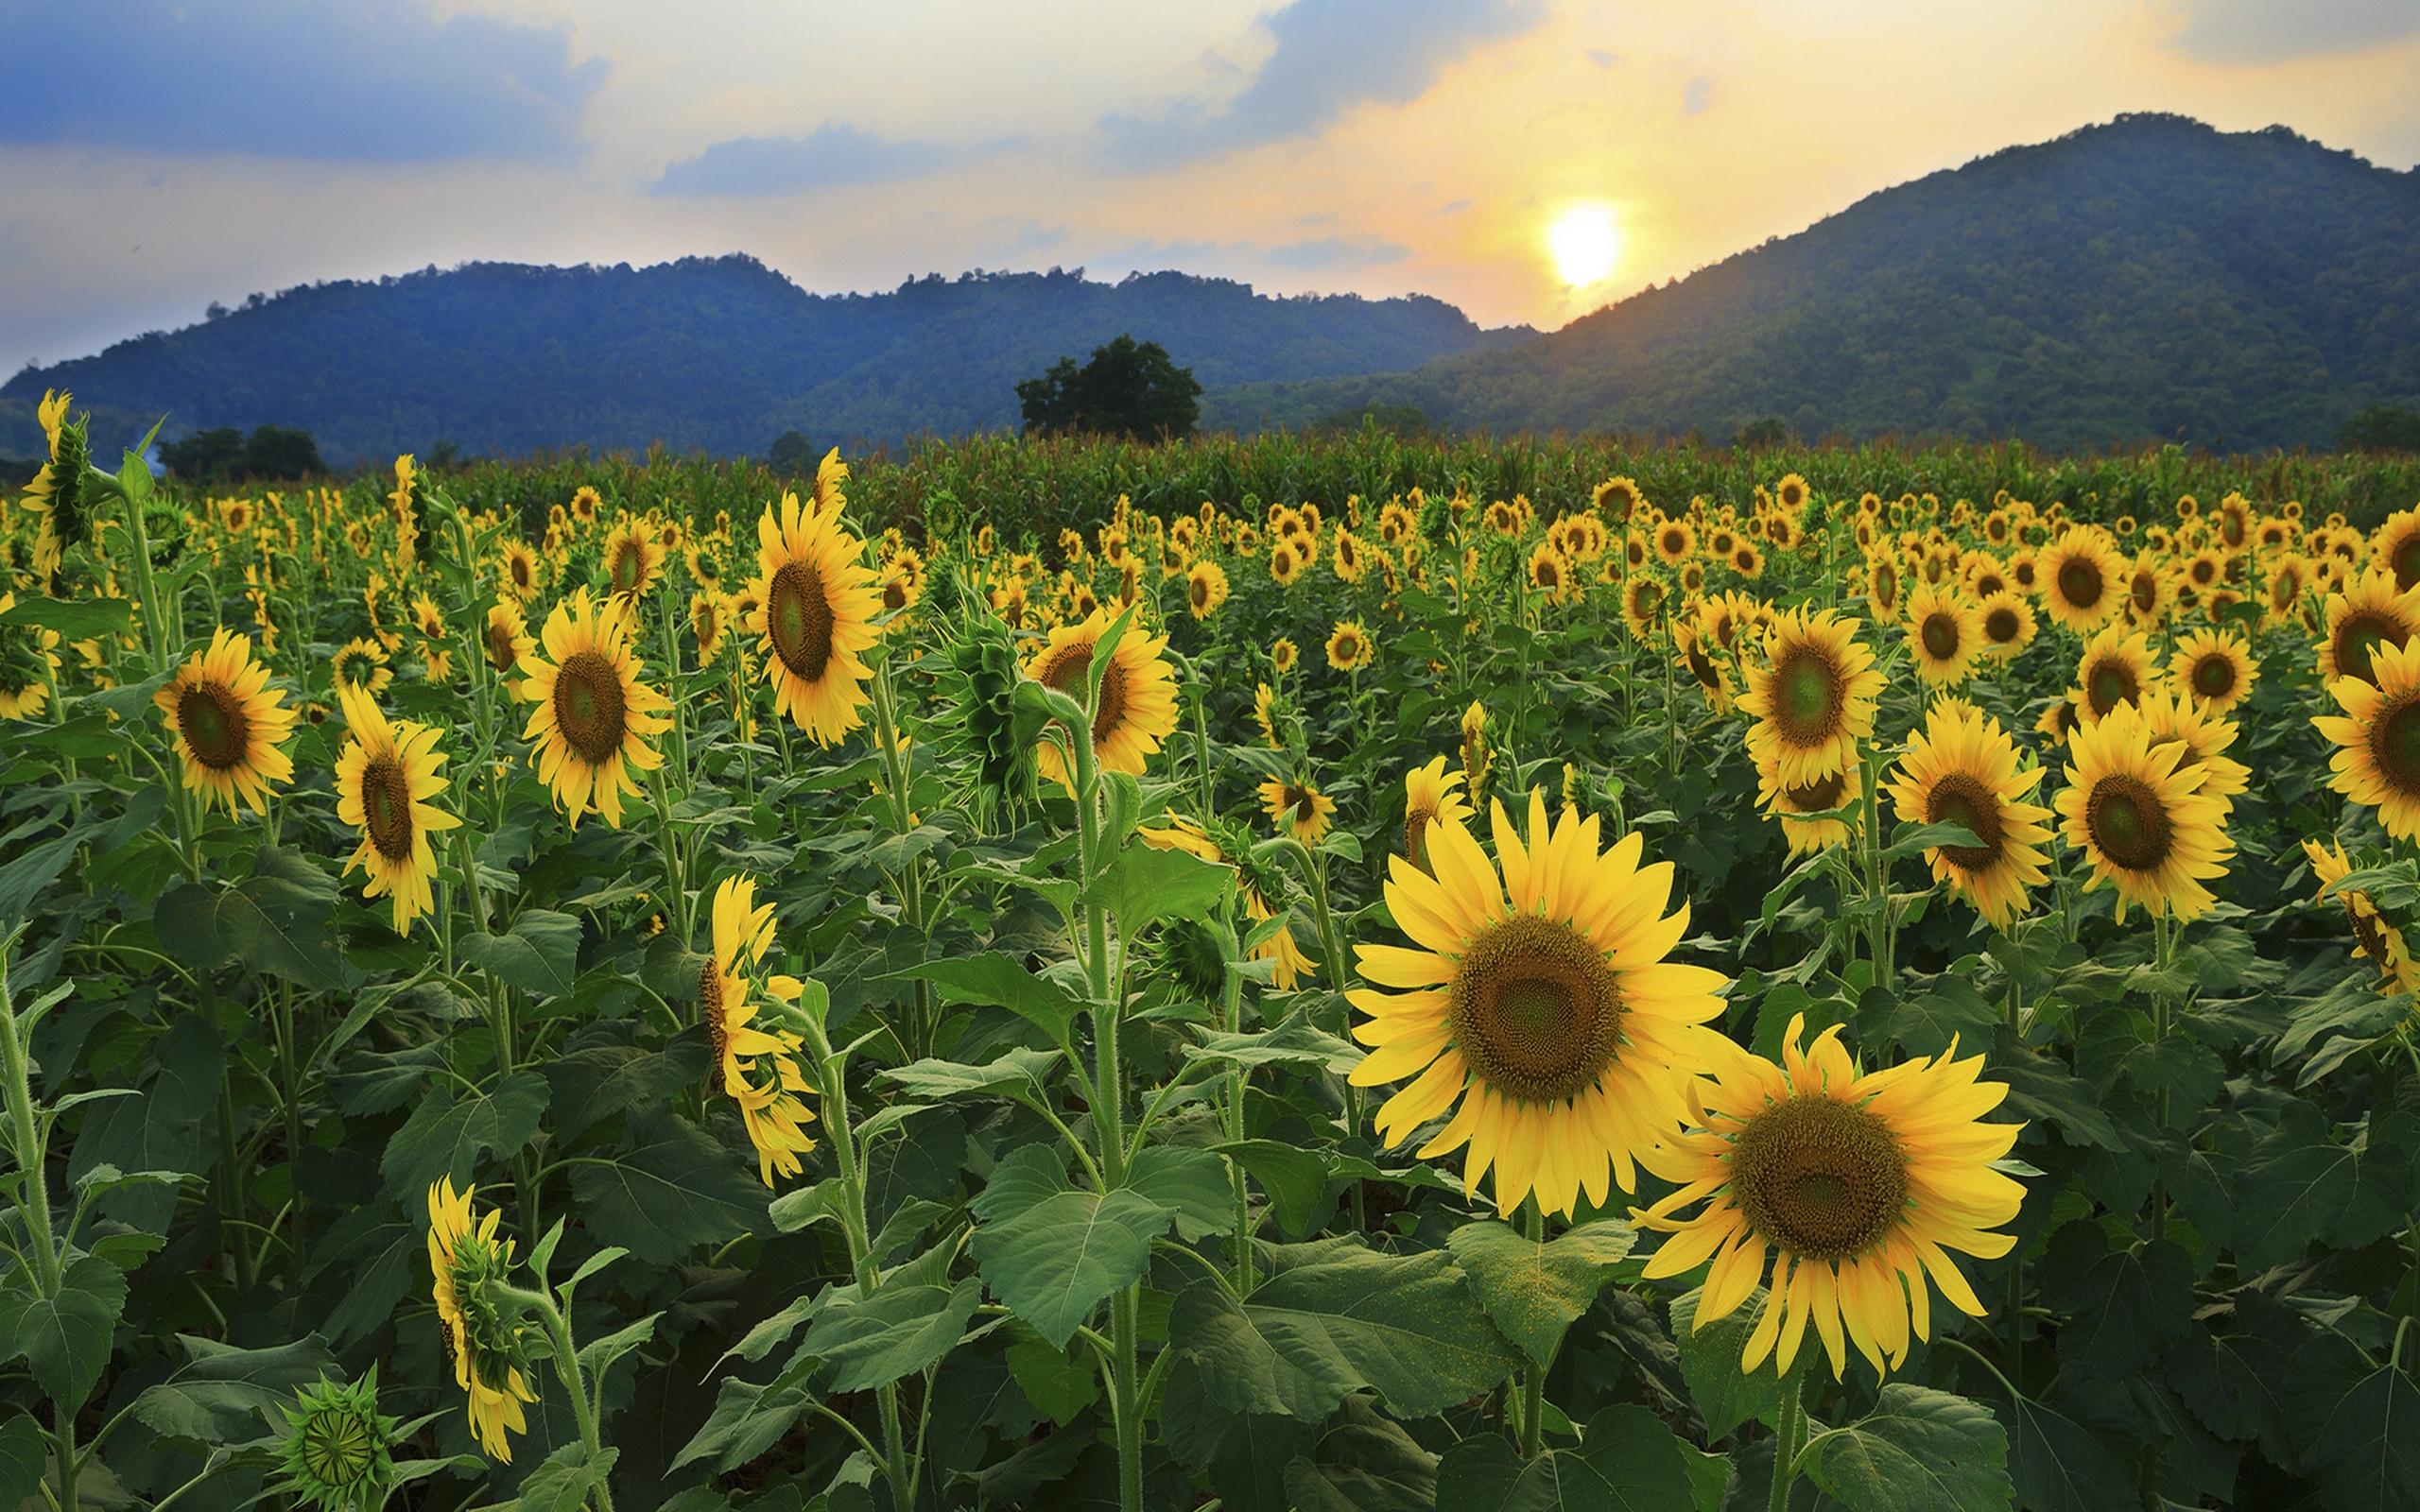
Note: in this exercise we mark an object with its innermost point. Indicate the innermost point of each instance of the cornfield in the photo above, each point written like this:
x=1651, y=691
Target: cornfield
x=1321, y=973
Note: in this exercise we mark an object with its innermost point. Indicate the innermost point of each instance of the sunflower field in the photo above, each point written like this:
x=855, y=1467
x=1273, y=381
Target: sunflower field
x=1309, y=973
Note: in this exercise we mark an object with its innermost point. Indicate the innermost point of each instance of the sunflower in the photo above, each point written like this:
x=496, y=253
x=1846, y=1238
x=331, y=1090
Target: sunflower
x=1961, y=768
x=1811, y=696
x=1857, y=1185
x=1944, y=635
x=815, y=619
x=56, y=493
x=2394, y=547
x=1791, y=803
x=2374, y=940
x=1348, y=646
x=1282, y=656
x=2007, y=622
x=517, y=570
x=2115, y=668
x=1264, y=713
x=1429, y=797
x=362, y=663
x=709, y=621
x=2215, y=668
x=2082, y=575
x=2378, y=738
x=427, y=618
x=634, y=560
x=229, y=724
x=1643, y=605
x=28, y=666
x=585, y=502
x=2206, y=737
x=1297, y=809
x=1543, y=1000
x=1676, y=541
x=1137, y=707
x=2139, y=816
x=760, y=1067
x=2362, y=619
x=1205, y=589
x=504, y=637
x=386, y=776
x=593, y=713
x=1694, y=647
x=467, y=1263
x=1550, y=571
x=1884, y=587
x=2150, y=595
x=1285, y=563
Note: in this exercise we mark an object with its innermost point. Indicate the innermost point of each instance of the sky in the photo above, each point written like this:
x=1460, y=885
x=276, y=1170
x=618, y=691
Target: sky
x=1527, y=159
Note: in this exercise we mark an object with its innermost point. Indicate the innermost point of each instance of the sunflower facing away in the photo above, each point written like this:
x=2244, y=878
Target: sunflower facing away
x=1857, y=1186
x=467, y=1263
x=1137, y=707
x=2378, y=738
x=1961, y=768
x=593, y=713
x=760, y=1068
x=1540, y=997
x=1431, y=795
x=384, y=777
x=2374, y=940
x=1945, y=634
x=1297, y=809
x=2140, y=818
x=1811, y=696
x=817, y=600
x=229, y=724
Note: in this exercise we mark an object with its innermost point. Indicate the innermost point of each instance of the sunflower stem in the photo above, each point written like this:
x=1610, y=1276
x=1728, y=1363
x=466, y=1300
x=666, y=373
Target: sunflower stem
x=2163, y=932
x=1787, y=1436
x=1533, y=1382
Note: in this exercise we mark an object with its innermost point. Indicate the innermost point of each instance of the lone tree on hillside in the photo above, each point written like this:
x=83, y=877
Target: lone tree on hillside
x=1128, y=388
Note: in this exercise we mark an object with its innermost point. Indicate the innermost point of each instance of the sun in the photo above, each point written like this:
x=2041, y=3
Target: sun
x=1584, y=243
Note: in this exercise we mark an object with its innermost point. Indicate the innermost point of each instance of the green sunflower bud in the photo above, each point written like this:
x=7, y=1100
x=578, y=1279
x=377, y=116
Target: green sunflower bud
x=338, y=1450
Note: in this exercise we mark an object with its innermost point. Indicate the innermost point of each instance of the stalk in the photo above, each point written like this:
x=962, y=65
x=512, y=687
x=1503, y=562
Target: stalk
x=33, y=1201
x=1787, y=1437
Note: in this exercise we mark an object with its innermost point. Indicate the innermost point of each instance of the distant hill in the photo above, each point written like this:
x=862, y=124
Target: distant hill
x=720, y=354
x=2149, y=279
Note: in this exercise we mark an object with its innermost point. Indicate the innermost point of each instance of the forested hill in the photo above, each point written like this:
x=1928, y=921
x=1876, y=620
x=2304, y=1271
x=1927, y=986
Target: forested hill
x=719, y=353
x=2148, y=279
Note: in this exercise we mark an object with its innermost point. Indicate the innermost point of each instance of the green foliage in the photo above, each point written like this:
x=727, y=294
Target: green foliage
x=1126, y=389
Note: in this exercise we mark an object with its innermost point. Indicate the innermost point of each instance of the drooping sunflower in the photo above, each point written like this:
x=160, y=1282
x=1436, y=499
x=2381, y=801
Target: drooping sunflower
x=386, y=778
x=1790, y=803
x=1944, y=635
x=760, y=1067
x=504, y=636
x=1348, y=646
x=1856, y=1186
x=2362, y=618
x=1297, y=809
x=1137, y=708
x=2374, y=940
x=2083, y=577
x=362, y=663
x=56, y=493
x=2215, y=669
x=2115, y=668
x=593, y=713
x=1811, y=696
x=229, y=724
x=709, y=622
x=2378, y=738
x=2139, y=818
x=1961, y=768
x=815, y=619
x=1262, y=891
x=1543, y=999
x=27, y=664
x=1431, y=795
x=467, y=1263
x=2007, y=622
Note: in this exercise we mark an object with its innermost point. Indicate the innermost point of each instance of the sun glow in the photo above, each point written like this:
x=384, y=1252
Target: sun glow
x=1584, y=243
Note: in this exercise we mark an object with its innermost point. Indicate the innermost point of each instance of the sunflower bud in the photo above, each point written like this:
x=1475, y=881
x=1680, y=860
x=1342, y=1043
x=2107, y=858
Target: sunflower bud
x=338, y=1454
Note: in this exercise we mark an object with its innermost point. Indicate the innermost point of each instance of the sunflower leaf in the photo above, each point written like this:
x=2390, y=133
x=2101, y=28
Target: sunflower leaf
x=540, y=953
x=1628, y=1461
x=1050, y=1252
x=1919, y=1451
x=1535, y=1291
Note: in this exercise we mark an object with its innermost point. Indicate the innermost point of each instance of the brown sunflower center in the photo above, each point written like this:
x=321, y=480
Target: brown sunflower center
x=2000, y=625
x=2129, y=823
x=1807, y=690
x=1416, y=821
x=2146, y=591
x=1535, y=1010
x=1941, y=637
x=2371, y=935
x=2108, y=683
x=523, y=578
x=2080, y=582
x=710, y=1003
x=1068, y=673
x=2407, y=562
x=799, y=619
x=1819, y=1178
x=215, y=725
x=2358, y=639
x=629, y=564
x=2214, y=676
x=589, y=706
x=1815, y=797
x=1961, y=798
x=387, y=807
x=502, y=653
x=2394, y=744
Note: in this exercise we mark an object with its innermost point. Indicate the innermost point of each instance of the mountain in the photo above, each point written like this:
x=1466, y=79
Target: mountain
x=714, y=353
x=2150, y=278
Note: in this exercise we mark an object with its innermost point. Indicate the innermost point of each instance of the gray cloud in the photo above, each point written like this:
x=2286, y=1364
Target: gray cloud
x=832, y=154
x=2239, y=32
x=1331, y=56
x=1695, y=96
x=290, y=78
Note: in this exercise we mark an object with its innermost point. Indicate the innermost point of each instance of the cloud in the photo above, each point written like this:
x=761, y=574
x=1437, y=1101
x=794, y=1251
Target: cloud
x=1337, y=252
x=1695, y=96
x=290, y=79
x=1452, y=206
x=1331, y=56
x=2253, y=32
x=831, y=155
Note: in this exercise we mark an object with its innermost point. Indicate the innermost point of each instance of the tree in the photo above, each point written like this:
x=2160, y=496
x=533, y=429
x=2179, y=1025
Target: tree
x=271, y=453
x=211, y=454
x=1769, y=430
x=793, y=455
x=1127, y=389
x=280, y=452
x=2381, y=428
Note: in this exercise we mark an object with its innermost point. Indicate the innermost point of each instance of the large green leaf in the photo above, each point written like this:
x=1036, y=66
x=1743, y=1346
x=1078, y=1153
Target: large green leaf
x=2058, y=1467
x=1726, y=1396
x=275, y=923
x=25, y=1453
x=219, y=1395
x=672, y=1191
x=2358, y=1428
x=2124, y=1307
x=1017, y=1074
x=1628, y=1461
x=540, y=953
x=1144, y=885
x=565, y=1482
x=2302, y=1186
x=1192, y=1184
x=1050, y=1252
x=1919, y=1451
x=162, y=1130
x=448, y=1132
x=1535, y=1290
x=1294, y=1176
x=992, y=979
x=74, y=619
x=65, y=1338
x=898, y=1331
x=1338, y=1317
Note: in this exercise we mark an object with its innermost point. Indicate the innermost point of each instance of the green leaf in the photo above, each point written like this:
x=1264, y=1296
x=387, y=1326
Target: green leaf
x=1191, y=1184
x=65, y=1339
x=275, y=921
x=540, y=953
x=1919, y=1451
x=2301, y=1186
x=220, y=1392
x=1535, y=1290
x=1018, y=1074
x=2042, y=1089
x=1049, y=1252
x=1144, y=885
x=447, y=1135
x=2124, y=1306
x=565, y=1482
x=1059, y=1387
x=1725, y=1395
x=1628, y=1461
x=672, y=1191
x=1294, y=1178
x=74, y=619
x=994, y=980
x=1337, y=1318
x=25, y=1455
x=1295, y=1043
x=898, y=1331
x=160, y=1131
x=2058, y=1467
x=2361, y=1444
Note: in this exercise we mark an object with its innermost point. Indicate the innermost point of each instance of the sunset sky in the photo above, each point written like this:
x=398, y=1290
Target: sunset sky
x=159, y=155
